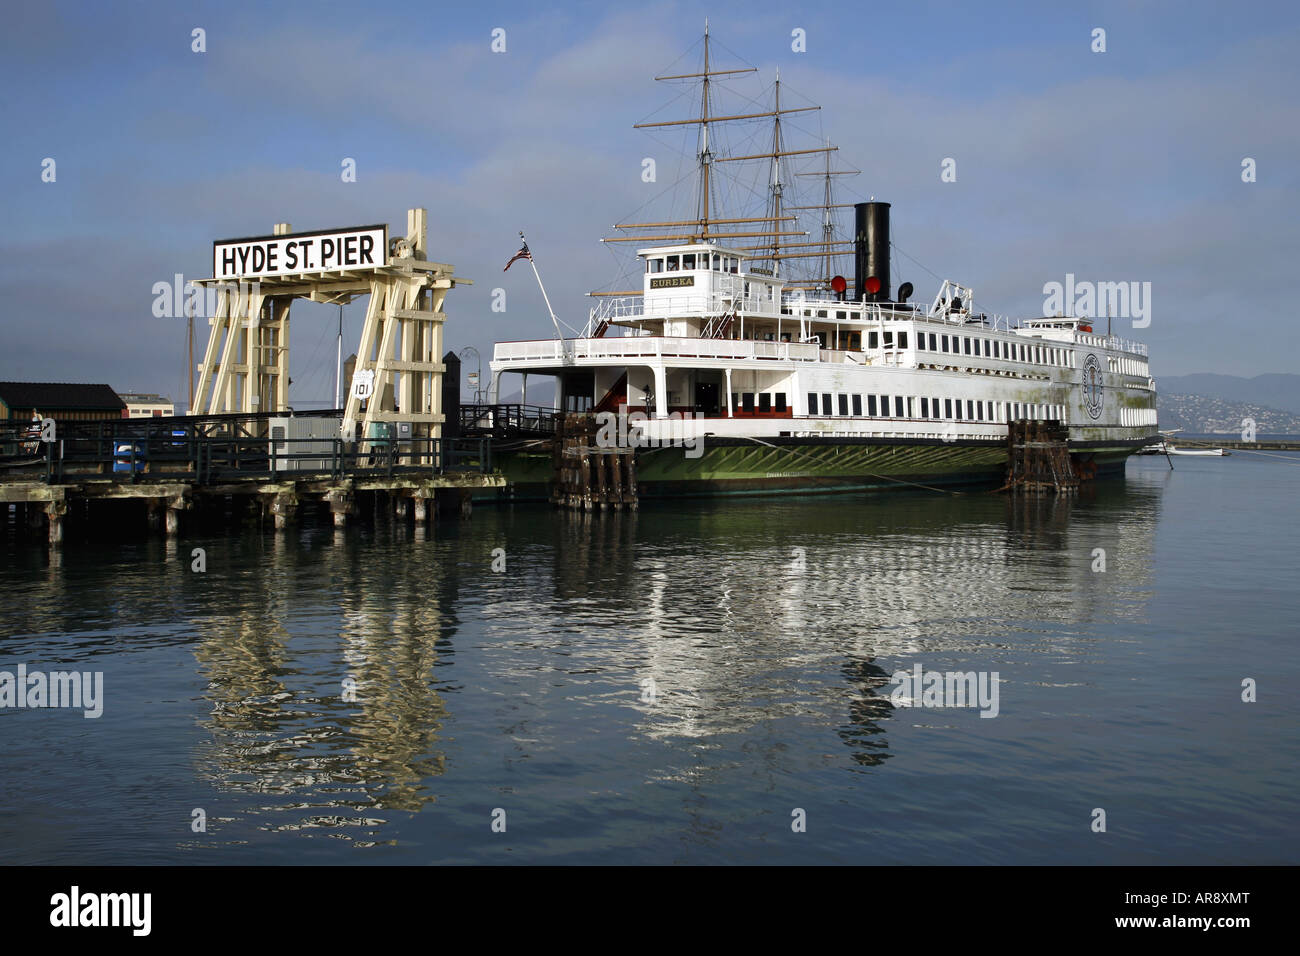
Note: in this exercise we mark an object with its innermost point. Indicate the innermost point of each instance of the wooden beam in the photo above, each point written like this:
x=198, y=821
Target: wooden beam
x=699, y=222
x=792, y=152
x=687, y=76
x=715, y=237
x=727, y=119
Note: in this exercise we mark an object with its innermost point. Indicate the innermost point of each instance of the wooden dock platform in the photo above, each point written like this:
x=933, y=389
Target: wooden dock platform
x=174, y=466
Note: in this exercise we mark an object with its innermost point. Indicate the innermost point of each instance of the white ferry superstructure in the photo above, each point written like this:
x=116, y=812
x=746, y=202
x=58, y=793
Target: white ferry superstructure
x=835, y=387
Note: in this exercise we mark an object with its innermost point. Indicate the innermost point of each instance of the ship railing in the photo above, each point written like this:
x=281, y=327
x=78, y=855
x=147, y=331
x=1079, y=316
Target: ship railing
x=618, y=308
x=652, y=346
x=1126, y=345
x=876, y=312
x=635, y=307
x=890, y=358
x=1112, y=342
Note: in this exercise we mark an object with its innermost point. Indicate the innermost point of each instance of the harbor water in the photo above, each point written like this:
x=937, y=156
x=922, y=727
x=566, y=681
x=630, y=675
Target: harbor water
x=701, y=681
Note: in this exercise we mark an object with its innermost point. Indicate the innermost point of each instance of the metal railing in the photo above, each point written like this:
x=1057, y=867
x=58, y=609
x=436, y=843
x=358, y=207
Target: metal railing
x=507, y=420
x=208, y=460
x=1112, y=342
x=653, y=346
x=660, y=306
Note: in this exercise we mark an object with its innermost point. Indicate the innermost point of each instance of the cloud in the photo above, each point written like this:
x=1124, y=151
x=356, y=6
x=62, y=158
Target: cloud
x=1110, y=169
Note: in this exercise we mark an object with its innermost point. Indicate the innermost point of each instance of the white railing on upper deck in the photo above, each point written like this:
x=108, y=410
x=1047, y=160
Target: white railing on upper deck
x=1124, y=345
x=676, y=306
x=651, y=346
x=874, y=312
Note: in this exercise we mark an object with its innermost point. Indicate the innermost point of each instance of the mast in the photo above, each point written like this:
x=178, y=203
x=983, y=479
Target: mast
x=776, y=183
x=828, y=241
x=774, y=200
x=706, y=157
x=704, y=219
x=828, y=228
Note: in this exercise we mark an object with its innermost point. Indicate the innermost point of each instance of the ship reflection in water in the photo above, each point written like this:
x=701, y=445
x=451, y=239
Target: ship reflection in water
x=684, y=642
x=732, y=614
x=670, y=685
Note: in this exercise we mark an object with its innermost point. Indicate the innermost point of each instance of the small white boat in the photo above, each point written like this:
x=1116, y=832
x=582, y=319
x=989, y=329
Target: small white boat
x=1163, y=447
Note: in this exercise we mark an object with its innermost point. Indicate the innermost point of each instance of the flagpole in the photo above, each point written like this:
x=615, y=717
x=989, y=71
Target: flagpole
x=545, y=298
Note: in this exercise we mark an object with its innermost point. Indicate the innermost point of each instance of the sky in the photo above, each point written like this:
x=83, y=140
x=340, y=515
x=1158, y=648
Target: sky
x=1122, y=165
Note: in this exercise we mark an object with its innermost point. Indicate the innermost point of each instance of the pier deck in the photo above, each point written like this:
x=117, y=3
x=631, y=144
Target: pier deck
x=175, y=464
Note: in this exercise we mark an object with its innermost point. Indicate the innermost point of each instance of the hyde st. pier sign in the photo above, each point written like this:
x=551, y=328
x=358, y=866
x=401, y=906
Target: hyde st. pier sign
x=360, y=247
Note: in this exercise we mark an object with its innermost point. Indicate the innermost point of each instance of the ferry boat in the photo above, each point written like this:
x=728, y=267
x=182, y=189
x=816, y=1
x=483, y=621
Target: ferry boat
x=741, y=379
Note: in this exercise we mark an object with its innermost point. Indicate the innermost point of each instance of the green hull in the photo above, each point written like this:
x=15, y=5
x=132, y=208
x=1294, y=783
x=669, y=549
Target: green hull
x=800, y=466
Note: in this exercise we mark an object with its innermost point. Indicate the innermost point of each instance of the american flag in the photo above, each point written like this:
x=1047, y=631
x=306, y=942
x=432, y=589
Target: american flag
x=521, y=254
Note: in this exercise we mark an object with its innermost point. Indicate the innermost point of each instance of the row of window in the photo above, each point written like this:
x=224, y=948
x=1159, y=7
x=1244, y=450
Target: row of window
x=693, y=260
x=995, y=348
x=971, y=345
x=924, y=407
x=745, y=402
x=1129, y=366
x=900, y=406
x=1137, y=416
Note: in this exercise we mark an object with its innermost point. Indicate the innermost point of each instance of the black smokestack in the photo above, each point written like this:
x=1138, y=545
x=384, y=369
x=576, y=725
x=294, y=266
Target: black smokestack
x=871, y=249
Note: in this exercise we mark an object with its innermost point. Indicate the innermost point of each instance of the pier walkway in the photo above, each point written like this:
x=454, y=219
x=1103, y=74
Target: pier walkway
x=175, y=464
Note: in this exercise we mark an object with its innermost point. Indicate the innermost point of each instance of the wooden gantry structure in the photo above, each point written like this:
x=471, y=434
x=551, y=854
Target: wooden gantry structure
x=390, y=445
x=245, y=368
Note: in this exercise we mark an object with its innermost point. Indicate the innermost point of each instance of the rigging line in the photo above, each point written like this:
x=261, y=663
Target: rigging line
x=683, y=94
x=939, y=278
x=714, y=41
x=916, y=261
x=311, y=362
x=736, y=179
x=693, y=48
x=682, y=177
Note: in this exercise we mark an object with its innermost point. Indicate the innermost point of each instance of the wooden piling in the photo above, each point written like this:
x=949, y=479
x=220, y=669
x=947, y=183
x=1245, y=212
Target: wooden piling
x=586, y=476
x=1038, y=457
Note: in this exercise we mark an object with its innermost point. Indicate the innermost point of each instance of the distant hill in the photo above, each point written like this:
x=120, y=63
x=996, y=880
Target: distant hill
x=1275, y=391
x=1205, y=414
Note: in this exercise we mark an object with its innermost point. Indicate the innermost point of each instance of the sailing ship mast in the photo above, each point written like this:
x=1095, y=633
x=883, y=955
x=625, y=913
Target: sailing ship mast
x=772, y=233
x=706, y=156
x=701, y=228
x=830, y=246
x=777, y=187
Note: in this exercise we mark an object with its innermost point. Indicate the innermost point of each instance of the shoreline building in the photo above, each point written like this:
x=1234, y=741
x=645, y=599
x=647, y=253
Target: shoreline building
x=147, y=405
x=62, y=401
